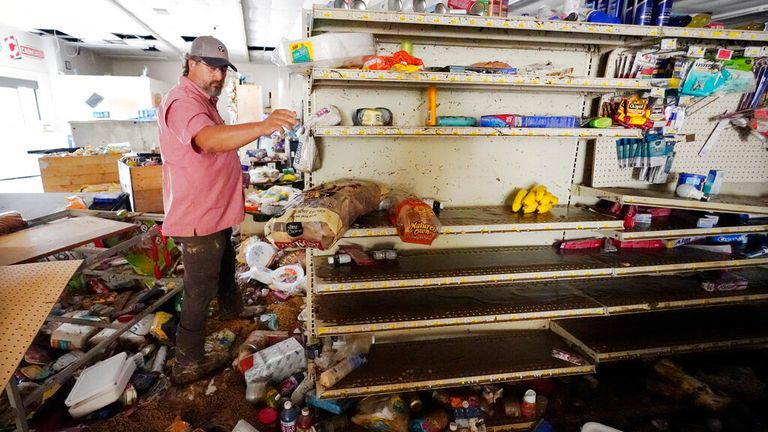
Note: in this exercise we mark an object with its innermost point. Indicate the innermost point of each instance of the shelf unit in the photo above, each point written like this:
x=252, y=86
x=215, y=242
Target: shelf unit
x=492, y=219
x=419, y=131
x=424, y=303
x=356, y=77
x=462, y=305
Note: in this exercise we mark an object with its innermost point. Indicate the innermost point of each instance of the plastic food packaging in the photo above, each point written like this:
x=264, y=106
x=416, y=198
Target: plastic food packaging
x=323, y=213
x=435, y=421
x=382, y=412
x=288, y=279
x=275, y=363
x=328, y=50
x=157, y=330
x=257, y=341
x=100, y=385
x=416, y=222
x=219, y=341
x=306, y=159
x=11, y=221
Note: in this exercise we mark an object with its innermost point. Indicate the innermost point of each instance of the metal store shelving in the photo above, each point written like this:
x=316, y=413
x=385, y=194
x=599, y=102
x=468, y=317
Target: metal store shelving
x=351, y=77
x=418, y=131
x=654, y=198
x=492, y=219
x=443, y=288
x=461, y=305
x=509, y=264
x=670, y=332
x=512, y=28
x=669, y=228
x=456, y=362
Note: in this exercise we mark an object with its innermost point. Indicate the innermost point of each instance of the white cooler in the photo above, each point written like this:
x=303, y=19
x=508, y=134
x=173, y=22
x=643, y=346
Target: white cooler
x=100, y=385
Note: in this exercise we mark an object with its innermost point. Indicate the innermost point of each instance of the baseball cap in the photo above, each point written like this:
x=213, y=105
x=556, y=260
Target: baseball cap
x=212, y=51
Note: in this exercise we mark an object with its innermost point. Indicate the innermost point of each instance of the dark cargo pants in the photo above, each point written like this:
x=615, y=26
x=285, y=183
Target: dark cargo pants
x=209, y=271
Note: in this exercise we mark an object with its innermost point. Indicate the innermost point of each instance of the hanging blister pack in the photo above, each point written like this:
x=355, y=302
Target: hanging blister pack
x=306, y=158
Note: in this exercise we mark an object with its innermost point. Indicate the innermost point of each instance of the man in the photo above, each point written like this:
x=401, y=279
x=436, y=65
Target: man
x=203, y=197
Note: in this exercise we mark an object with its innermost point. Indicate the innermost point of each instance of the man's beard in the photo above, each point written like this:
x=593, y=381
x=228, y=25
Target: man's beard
x=214, y=89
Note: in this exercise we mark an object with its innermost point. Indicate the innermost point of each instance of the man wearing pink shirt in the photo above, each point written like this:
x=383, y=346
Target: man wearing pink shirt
x=203, y=197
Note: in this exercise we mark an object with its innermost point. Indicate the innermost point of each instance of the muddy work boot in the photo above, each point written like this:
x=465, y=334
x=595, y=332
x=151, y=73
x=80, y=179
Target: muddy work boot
x=210, y=363
x=249, y=312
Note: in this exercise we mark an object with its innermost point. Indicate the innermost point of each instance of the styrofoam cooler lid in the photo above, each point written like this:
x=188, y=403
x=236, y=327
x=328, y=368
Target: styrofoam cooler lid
x=99, y=378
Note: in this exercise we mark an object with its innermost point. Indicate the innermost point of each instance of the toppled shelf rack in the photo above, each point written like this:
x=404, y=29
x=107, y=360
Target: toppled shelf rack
x=655, y=198
x=506, y=28
x=439, y=363
x=492, y=219
x=668, y=332
x=464, y=132
x=458, y=305
x=419, y=269
x=349, y=77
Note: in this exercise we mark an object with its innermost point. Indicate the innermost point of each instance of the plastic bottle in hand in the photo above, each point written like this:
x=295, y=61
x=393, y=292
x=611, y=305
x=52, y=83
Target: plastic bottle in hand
x=288, y=418
x=305, y=421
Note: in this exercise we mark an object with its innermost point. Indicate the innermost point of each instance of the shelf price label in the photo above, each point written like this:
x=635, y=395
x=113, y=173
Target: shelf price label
x=668, y=44
x=753, y=51
x=696, y=51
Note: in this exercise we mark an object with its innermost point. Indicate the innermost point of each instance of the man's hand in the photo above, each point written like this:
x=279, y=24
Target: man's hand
x=277, y=121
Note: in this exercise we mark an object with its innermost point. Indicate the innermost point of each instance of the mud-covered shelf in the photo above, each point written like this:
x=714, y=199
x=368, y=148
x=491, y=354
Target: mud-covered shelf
x=463, y=305
x=656, y=198
x=468, y=132
x=667, y=228
x=506, y=28
x=416, y=269
x=440, y=363
x=669, y=332
x=492, y=219
x=357, y=77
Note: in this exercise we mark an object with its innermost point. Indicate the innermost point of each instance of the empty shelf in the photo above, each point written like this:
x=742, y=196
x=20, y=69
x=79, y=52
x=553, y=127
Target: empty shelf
x=670, y=332
x=438, y=363
x=507, y=264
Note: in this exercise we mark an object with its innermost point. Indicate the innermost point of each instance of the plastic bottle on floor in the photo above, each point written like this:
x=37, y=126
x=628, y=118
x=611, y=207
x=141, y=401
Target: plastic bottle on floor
x=288, y=418
x=305, y=421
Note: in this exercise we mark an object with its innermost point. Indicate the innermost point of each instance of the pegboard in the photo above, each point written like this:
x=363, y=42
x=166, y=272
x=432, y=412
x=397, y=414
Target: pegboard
x=744, y=159
x=29, y=291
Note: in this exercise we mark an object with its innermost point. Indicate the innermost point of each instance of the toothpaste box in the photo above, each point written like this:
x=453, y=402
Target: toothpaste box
x=547, y=121
x=498, y=120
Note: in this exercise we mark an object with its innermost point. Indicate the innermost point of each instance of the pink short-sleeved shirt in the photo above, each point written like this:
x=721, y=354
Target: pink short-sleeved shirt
x=202, y=192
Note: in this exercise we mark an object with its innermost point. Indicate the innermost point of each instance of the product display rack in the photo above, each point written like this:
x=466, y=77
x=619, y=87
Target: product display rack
x=423, y=305
x=492, y=219
x=462, y=305
x=418, y=131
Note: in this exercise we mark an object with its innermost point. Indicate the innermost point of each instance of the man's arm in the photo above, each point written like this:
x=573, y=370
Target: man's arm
x=223, y=138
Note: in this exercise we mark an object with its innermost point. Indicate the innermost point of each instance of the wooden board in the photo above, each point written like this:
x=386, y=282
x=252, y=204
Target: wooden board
x=144, y=184
x=46, y=239
x=70, y=173
x=28, y=292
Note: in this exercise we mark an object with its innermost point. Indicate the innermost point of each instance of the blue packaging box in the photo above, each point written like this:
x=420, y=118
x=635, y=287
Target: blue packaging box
x=547, y=121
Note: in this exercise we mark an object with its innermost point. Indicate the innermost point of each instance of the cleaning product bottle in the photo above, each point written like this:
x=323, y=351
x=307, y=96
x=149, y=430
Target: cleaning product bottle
x=288, y=418
x=432, y=104
x=305, y=421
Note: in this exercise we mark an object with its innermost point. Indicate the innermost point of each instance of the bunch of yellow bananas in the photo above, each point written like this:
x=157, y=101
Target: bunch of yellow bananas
x=536, y=199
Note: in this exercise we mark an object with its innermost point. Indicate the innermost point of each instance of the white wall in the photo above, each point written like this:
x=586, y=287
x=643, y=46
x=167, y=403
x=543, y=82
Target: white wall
x=169, y=71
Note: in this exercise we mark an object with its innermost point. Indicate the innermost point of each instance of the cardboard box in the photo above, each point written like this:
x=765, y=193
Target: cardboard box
x=70, y=173
x=144, y=184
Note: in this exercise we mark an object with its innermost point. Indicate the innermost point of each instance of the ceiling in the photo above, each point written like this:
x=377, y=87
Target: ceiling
x=249, y=28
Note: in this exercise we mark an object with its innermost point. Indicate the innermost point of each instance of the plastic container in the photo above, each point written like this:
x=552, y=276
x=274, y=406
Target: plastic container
x=305, y=420
x=276, y=362
x=288, y=278
x=100, y=385
x=72, y=336
x=288, y=417
x=528, y=407
x=328, y=50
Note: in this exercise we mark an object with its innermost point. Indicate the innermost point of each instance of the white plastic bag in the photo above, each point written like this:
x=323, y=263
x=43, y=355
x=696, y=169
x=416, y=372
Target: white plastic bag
x=306, y=159
x=326, y=50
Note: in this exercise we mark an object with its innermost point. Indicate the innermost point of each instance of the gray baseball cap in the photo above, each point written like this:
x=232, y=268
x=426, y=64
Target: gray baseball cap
x=212, y=51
